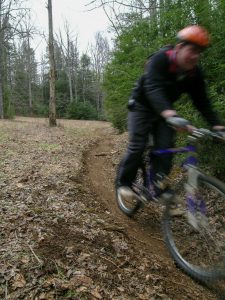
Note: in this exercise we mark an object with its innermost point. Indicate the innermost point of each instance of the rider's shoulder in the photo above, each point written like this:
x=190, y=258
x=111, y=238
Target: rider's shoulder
x=162, y=56
x=165, y=51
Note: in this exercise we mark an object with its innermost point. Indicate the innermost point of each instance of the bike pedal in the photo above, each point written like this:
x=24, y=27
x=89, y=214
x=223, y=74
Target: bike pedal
x=143, y=199
x=202, y=220
x=192, y=220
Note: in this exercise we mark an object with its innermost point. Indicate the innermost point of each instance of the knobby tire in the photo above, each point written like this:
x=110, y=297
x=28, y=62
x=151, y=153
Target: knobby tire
x=201, y=254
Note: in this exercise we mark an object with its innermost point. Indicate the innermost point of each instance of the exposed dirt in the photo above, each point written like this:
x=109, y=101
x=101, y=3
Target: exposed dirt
x=62, y=235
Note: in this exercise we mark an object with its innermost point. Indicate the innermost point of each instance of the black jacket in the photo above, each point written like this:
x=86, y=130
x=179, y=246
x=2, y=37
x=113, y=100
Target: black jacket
x=162, y=84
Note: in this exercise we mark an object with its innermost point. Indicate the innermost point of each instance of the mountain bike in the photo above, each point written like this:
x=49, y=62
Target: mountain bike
x=195, y=239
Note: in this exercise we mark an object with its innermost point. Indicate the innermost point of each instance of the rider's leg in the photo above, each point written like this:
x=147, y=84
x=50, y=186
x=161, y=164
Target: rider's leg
x=139, y=127
x=164, y=138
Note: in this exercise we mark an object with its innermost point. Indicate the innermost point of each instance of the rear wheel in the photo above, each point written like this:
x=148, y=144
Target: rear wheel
x=198, y=244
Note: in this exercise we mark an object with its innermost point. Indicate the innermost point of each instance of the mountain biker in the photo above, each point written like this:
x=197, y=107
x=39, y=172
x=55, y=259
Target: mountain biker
x=170, y=72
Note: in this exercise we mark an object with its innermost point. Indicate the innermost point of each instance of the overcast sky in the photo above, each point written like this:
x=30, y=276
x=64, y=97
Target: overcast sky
x=82, y=22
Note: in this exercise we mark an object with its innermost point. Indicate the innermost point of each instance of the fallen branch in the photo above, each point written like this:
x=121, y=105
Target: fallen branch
x=101, y=154
x=110, y=228
x=109, y=261
x=37, y=258
x=6, y=289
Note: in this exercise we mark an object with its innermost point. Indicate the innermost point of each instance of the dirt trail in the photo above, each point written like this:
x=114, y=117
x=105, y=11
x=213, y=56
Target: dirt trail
x=144, y=231
x=101, y=172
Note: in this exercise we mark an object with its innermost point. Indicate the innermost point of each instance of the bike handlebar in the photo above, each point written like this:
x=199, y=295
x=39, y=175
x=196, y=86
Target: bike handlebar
x=181, y=123
x=201, y=132
x=178, y=122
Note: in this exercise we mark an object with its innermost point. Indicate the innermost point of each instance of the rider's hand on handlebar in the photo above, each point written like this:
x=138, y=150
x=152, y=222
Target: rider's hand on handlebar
x=168, y=113
x=190, y=128
x=180, y=124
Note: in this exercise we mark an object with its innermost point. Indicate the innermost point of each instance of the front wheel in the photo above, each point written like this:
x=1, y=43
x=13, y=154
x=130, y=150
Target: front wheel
x=196, y=239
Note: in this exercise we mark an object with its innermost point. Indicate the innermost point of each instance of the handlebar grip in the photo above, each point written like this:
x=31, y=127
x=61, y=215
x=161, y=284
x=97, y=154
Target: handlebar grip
x=219, y=133
x=177, y=122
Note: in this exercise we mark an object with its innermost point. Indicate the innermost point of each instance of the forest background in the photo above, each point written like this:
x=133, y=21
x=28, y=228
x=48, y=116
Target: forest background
x=96, y=84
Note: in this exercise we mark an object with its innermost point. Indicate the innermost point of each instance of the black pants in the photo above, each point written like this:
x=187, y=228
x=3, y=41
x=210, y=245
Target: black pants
x=141, y=124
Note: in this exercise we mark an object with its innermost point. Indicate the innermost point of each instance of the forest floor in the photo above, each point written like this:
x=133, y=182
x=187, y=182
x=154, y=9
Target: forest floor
x=62, y=235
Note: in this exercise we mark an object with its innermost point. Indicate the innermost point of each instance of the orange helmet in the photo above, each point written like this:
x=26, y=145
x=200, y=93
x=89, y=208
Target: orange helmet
x=194, y=34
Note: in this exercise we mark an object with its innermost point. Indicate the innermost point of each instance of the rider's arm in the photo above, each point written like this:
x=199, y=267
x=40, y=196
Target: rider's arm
x=154, y=84
x=167, y=113
x=201, y=101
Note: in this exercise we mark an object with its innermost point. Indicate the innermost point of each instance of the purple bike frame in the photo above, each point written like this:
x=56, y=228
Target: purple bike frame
x=194, y=201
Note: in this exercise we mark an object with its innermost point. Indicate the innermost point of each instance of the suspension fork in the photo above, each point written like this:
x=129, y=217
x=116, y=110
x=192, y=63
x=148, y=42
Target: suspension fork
x=196, y=207
x=149, y=174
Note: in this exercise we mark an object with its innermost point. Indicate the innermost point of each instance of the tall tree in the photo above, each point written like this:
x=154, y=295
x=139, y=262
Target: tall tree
x=52, y=96
x=75, y=66
x=1, y=60
x=29, y=31
x=24, y=77
x=67, y=49
x=85, y=78
x=11, y=14
x=99, y=57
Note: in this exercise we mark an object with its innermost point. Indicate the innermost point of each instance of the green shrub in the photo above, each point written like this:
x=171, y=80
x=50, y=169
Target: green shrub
x=9, y=109
x=81, y=111
x=40, y=109
x=210, y=152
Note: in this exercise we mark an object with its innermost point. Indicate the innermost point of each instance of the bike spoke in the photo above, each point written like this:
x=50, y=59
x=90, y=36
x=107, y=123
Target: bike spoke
x=198, y=244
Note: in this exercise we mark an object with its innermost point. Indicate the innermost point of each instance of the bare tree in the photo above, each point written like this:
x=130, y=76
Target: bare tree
x=116, y=10
x=69, y=50
x=28, y=31
x=75, y=67
x=52, y=100
x=11, y=14
x=68, y=60
x=1, y=63
x=99, y=57
x=85, y=75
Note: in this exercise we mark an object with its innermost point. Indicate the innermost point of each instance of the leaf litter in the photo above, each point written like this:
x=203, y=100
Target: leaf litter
x=59, y=240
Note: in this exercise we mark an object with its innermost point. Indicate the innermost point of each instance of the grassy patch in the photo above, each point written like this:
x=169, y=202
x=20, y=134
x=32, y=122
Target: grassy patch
x=3, y=137
x=48, y=147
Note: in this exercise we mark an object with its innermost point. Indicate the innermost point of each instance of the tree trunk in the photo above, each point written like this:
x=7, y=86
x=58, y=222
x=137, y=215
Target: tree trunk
x=29, y=77
x=52, y=99
x=1, y=67
x=69, y=66
x=70, y=85
x=1, y=81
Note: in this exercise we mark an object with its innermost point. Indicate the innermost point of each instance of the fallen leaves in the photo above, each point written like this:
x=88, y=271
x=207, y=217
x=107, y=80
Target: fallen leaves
x=58, y=240
x=19, y=281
